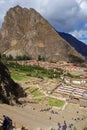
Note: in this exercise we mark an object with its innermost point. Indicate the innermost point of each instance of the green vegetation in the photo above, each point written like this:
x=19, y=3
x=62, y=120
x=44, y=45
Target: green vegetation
x=24, y=57
x=39, y=100
x=50, y=101
x=19, y=77
x=55, y=102
x=22, y=72
x=41, y=58
x=34, y=91
x=39, y=97
x=10, y=57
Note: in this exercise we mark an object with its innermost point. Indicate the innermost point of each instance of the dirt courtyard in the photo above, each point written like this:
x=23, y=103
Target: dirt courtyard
x=36, y=116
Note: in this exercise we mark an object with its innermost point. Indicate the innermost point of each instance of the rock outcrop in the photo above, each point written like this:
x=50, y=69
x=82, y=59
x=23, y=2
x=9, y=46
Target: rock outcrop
x=9, y=90
x=26, y=32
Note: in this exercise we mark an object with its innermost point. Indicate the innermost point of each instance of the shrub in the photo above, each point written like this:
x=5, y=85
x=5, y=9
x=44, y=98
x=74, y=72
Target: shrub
x=24, y=57
x=10, y=57
x=41, y=58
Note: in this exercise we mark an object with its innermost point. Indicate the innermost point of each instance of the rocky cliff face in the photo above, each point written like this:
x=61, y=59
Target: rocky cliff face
x=26, y=32
x=9, y=90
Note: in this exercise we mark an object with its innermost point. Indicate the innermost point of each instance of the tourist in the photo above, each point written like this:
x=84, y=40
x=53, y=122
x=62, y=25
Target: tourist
x=7, y=123
x=59, y=126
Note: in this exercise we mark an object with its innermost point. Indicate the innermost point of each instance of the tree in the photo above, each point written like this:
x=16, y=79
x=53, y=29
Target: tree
x=10, y=57
x=41, y=58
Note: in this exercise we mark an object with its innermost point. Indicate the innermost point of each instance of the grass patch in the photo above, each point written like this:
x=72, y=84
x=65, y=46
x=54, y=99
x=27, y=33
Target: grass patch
x=50, y=101
x=37, y=93
x=34, y=91
x=41, y=99
x=19, y=77
x=55, y=102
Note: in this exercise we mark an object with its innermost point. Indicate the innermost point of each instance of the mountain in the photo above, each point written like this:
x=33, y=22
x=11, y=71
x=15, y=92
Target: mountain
x=25, y=32
x=9, y=90
x=78, y=45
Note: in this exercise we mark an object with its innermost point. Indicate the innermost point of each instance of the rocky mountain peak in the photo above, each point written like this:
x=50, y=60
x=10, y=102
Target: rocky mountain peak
x=26, y=32
x=17, y=8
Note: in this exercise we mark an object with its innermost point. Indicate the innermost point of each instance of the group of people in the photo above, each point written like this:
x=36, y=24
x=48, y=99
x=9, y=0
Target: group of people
x=64, y=126
x=7, y=123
